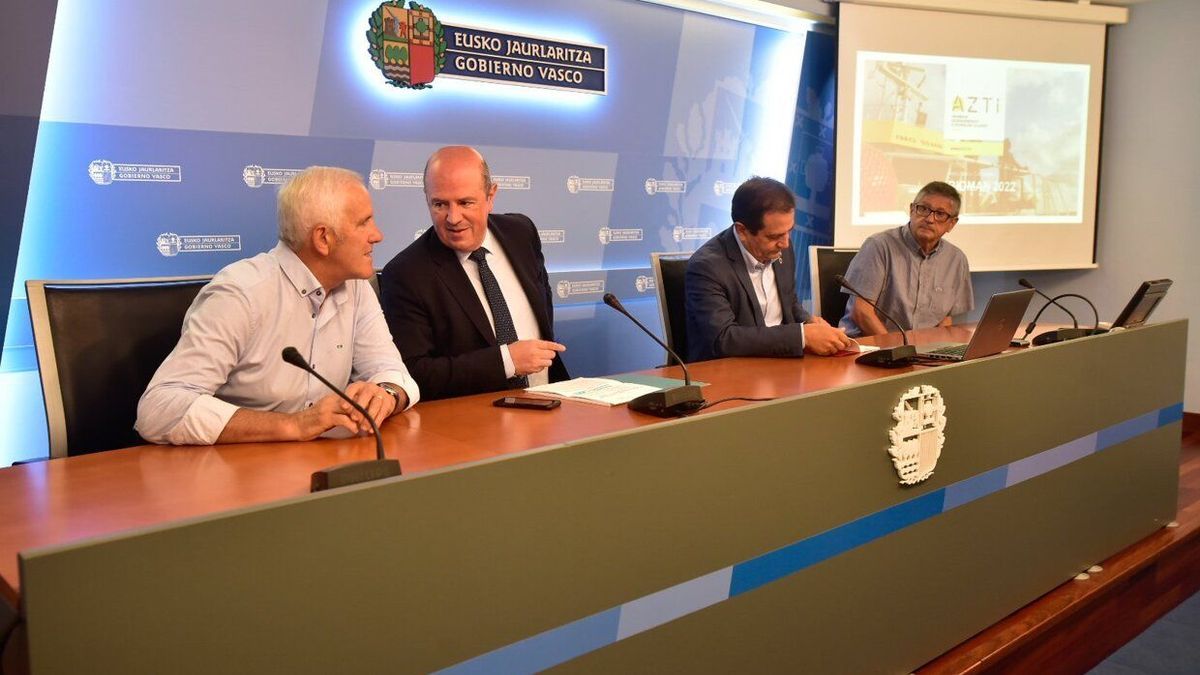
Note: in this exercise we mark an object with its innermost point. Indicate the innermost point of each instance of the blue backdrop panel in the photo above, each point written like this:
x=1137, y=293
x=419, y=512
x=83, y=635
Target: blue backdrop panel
x=220, y=65
x=110, y=230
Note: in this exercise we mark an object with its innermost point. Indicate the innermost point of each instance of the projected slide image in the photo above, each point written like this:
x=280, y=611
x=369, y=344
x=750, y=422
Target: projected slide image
x=1010, y=135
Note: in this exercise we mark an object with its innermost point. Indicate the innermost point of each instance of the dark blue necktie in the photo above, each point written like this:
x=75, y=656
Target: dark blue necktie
x=506, y=332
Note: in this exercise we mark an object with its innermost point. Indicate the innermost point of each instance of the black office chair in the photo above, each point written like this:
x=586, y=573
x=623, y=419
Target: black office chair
x=98, y=343
x=829, y=302
x=669, y=271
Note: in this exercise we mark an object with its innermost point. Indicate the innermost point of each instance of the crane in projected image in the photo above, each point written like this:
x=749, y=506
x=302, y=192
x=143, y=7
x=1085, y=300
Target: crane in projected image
x=898, y=94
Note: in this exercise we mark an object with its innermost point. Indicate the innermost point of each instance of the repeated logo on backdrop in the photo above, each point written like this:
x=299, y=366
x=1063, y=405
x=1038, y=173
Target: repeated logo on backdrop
x=609, y=235
x=170, y=244
x=104, y=172
x=575, y=184
x=654, y=186
x=681, y=233
x=255, y=176
x=380, y=179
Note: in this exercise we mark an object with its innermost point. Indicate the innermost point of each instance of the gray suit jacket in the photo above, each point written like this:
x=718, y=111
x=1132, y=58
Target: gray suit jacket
x=723, y=316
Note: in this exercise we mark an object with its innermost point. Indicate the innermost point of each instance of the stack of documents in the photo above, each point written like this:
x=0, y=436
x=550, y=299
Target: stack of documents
x=598, y=390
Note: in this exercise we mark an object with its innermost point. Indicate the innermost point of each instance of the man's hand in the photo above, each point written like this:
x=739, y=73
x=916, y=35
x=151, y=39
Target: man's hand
x=822, y=339
x=532, y=356
x=327, y=413
x=378, y=403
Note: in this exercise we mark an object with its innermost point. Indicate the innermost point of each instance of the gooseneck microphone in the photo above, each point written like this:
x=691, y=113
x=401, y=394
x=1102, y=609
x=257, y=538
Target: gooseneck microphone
x=890, y=357
x=1050, y=301
x=351, y=472
x=1063, y=334
x=673, y=402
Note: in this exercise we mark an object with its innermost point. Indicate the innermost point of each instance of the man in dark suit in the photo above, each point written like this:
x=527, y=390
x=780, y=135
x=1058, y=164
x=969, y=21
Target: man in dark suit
x=468, y=303
x=741, y=284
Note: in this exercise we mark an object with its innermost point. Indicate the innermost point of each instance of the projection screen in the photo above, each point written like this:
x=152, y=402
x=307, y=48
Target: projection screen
x=1007, y=110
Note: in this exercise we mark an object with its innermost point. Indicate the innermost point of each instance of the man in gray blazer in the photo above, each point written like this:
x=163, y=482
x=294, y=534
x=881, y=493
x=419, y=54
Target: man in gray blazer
x=741, y=285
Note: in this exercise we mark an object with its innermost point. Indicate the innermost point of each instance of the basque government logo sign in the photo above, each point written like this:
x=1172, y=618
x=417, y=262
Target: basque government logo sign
x=408, y=45
x=411, y=47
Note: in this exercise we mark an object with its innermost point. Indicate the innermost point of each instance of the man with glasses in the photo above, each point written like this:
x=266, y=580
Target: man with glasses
x=910, y=272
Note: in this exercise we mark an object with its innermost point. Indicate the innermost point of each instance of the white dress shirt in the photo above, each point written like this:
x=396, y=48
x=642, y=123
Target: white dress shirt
x=514, y=296
x=228, y=356
x=762, y=278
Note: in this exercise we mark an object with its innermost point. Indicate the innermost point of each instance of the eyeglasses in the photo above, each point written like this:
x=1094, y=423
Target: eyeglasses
x=939, y=216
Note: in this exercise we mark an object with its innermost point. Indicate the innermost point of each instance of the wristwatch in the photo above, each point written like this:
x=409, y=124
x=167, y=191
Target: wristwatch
x=393, y=390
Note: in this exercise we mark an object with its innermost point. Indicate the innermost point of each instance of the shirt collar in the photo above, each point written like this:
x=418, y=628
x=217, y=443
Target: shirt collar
x=302, y=279
x=489, y=242
x=911, y=241
x=752, y=263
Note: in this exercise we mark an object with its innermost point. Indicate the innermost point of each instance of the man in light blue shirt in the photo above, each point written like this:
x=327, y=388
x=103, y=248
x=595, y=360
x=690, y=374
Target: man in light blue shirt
x=911, y=272
x=225, y=381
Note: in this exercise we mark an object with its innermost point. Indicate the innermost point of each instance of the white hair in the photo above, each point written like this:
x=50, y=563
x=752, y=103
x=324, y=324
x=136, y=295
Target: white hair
x=310, y=198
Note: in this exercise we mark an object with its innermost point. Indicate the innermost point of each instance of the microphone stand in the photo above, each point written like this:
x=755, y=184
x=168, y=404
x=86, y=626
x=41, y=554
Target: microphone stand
x=1063, y=334
x=888, y=357
x=349, y=473
x=673, y=402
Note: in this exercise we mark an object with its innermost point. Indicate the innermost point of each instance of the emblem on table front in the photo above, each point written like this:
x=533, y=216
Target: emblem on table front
x=919, y=433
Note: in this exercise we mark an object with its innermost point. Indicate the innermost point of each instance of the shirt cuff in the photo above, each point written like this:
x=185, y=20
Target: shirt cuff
x=510, y=369
x=203, y=422
x=402, y=380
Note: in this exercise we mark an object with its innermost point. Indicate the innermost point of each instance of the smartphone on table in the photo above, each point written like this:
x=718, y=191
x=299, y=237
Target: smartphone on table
x=527, y=403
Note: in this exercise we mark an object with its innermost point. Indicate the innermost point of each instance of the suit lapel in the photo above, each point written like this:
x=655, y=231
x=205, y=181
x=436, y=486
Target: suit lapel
x=785, y=284
x=450, y=273
x=738, y=262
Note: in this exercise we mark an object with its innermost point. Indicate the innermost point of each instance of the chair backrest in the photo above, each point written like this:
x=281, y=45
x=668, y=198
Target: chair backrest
x=669, y=272
x=829, y=302
x=98, y=343
x=374, y=280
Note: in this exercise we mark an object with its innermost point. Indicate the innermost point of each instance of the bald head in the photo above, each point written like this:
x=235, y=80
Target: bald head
x=453, y=158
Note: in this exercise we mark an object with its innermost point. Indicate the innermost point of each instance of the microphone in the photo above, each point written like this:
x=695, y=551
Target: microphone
x=1063, y=334
x=351, y=472
x=1050, y=301
x=890, y=357
x=673, y=402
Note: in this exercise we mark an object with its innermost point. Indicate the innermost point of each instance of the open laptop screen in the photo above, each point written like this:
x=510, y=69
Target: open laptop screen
x=1143, y=303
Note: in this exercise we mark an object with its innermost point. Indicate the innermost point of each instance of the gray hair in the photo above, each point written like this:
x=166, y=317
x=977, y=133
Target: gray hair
x=310, y=198
x=941, y=189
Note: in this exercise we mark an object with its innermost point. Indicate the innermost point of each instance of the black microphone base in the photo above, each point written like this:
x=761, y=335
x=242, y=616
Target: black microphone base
x=1064, y=334
x=891, y=357
x=674, y=402
x=353, y=473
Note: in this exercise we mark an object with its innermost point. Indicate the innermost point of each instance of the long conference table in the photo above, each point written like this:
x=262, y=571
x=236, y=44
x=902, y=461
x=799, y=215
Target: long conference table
x=754, y=536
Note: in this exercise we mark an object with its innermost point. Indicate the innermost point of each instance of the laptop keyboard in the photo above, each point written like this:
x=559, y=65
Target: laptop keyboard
x=951, y=351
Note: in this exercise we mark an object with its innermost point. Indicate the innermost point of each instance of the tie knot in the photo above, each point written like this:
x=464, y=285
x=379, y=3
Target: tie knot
x=479, y=255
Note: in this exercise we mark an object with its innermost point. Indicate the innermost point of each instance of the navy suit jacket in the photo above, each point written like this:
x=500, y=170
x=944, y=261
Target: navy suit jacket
x=438, y=321
x=723, y=316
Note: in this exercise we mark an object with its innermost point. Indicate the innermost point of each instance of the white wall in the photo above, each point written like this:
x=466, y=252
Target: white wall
x=1149, y=210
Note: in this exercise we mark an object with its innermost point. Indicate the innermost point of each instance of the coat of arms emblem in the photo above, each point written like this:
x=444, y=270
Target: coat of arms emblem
x=408, y=45
x=919, y=433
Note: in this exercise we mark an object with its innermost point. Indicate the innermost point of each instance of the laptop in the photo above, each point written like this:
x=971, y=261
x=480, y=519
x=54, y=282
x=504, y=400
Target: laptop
x=1143, y=302
x=999, y=323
